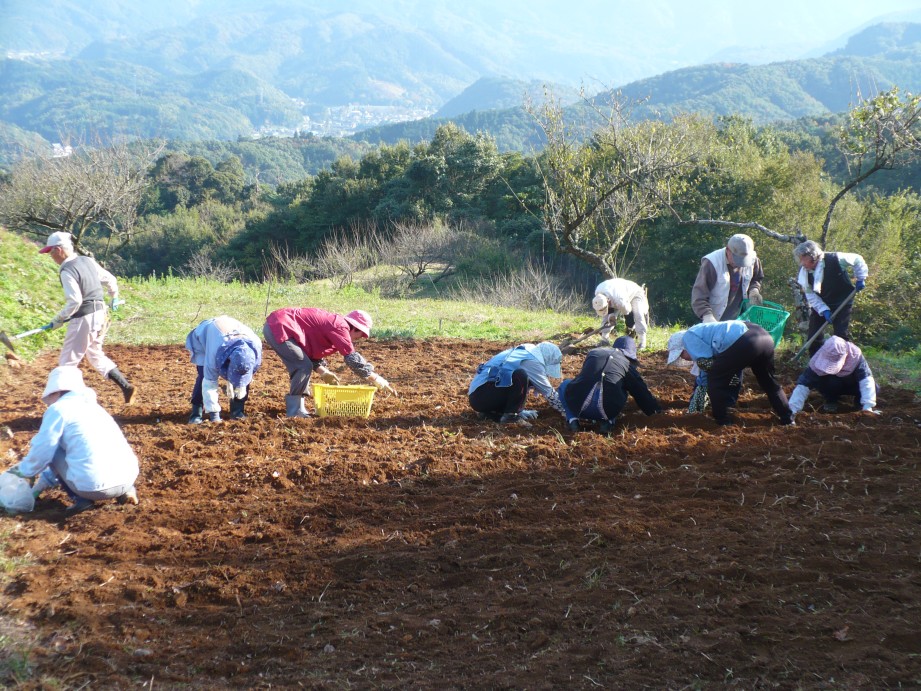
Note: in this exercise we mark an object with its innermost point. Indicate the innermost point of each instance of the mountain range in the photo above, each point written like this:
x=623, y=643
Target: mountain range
x=224, y=69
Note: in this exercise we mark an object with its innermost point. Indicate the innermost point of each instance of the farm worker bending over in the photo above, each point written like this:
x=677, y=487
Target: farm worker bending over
x=500, y=386
x=84, y=310
x=726, y=276
x=824, y=279
x=837, y=369
x=723, y=350
x=79, y=447
x=222, y=347
x=618, y=297
x=304, y=336
x=599, y=391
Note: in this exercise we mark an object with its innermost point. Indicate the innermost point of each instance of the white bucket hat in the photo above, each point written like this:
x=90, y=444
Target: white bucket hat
x=600, y=305
x=63, y=379
x=675, y=346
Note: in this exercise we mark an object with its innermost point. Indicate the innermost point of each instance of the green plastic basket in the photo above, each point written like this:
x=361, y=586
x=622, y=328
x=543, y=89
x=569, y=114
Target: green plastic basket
x=770, y=316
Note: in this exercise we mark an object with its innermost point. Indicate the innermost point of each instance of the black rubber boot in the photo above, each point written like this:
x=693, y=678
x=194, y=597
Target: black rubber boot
x=197, y=412
x=237, y=409
x=123, y=384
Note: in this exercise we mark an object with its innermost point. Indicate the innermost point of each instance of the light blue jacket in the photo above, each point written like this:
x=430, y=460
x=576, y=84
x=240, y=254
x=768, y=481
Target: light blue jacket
x=210, y=343
x=83, y=444
x=708, y=339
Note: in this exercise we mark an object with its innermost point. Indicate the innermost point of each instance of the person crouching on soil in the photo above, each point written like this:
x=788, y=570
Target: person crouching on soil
x=84, y=310
x=618, y=297
x=599, y=392
x=304, y=336
x=500, y=386
x=79, y=447
x=222, y=347
x=723, y=350
x=837, y=369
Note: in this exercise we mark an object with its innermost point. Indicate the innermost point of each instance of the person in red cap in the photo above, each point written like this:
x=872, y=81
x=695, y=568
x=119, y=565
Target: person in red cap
x=304, y=336
x=84, y=311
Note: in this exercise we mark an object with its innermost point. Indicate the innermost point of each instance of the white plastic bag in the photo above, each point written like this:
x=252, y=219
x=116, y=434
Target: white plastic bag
x=15, y=493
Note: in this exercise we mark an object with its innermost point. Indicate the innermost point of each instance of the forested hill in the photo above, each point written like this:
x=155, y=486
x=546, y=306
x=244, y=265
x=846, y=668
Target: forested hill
x=876, y=59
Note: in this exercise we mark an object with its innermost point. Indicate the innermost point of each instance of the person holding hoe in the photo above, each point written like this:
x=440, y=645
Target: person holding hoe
x=823, y=276
x=304, y=336
x=618, y=297
x=84, y=310
x=222, y=347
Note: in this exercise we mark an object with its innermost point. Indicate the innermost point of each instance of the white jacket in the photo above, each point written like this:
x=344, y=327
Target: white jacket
x=621, y=295
x=83, y=444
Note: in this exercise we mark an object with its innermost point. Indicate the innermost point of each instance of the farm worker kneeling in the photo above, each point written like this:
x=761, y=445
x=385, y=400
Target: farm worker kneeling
x=837, y=369
x=599, y=391
x=618, y=297
x=827, y=286
x=723, y=350
x=222, y=347
x=79, y=447
x=500, y=386
x=304, y=336
x=84, y=310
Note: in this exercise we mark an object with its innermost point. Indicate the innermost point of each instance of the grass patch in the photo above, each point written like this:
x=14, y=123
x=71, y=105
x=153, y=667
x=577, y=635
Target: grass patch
x=31, y=294
x=899, y=370
x=164, y=310
x=8, y=564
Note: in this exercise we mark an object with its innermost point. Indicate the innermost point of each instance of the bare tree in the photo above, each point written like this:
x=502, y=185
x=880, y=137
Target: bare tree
x=93, y=189
x=345, y=253
x=203, y=265
x=601, y=180
x=425, y=249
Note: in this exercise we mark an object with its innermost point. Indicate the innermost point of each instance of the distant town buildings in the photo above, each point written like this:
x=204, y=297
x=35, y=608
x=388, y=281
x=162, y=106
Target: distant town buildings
x=59, y=150
x=342, y=121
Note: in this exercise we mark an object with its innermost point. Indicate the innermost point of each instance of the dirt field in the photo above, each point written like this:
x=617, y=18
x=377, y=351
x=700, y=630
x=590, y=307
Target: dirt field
x=424, y=548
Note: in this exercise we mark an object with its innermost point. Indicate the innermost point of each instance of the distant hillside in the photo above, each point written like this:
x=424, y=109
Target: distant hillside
x=499, y=93
x=60, y=97
x=765, y=93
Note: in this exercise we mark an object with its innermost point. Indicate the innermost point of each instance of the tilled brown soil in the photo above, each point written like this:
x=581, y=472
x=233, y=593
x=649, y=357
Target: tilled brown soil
x=425, y=548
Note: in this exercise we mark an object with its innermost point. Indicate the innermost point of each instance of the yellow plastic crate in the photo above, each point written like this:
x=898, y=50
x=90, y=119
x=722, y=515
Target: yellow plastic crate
x=343, y=401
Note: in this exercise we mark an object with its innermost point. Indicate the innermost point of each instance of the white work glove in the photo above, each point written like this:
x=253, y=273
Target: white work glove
x=327, y=376
x=209, y=394
x=239, y=393
x=754, y=297
x=228, y=389
x=528, y=414
x=798, y=398
x=708, y=318
x=381, y=383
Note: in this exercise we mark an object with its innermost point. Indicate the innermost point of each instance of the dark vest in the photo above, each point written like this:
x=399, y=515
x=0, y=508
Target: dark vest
x=83, y=269
x=836, y=284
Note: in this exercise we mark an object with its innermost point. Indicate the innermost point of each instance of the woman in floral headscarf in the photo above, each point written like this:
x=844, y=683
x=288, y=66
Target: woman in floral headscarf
x=500, y=386
x=837, y=369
